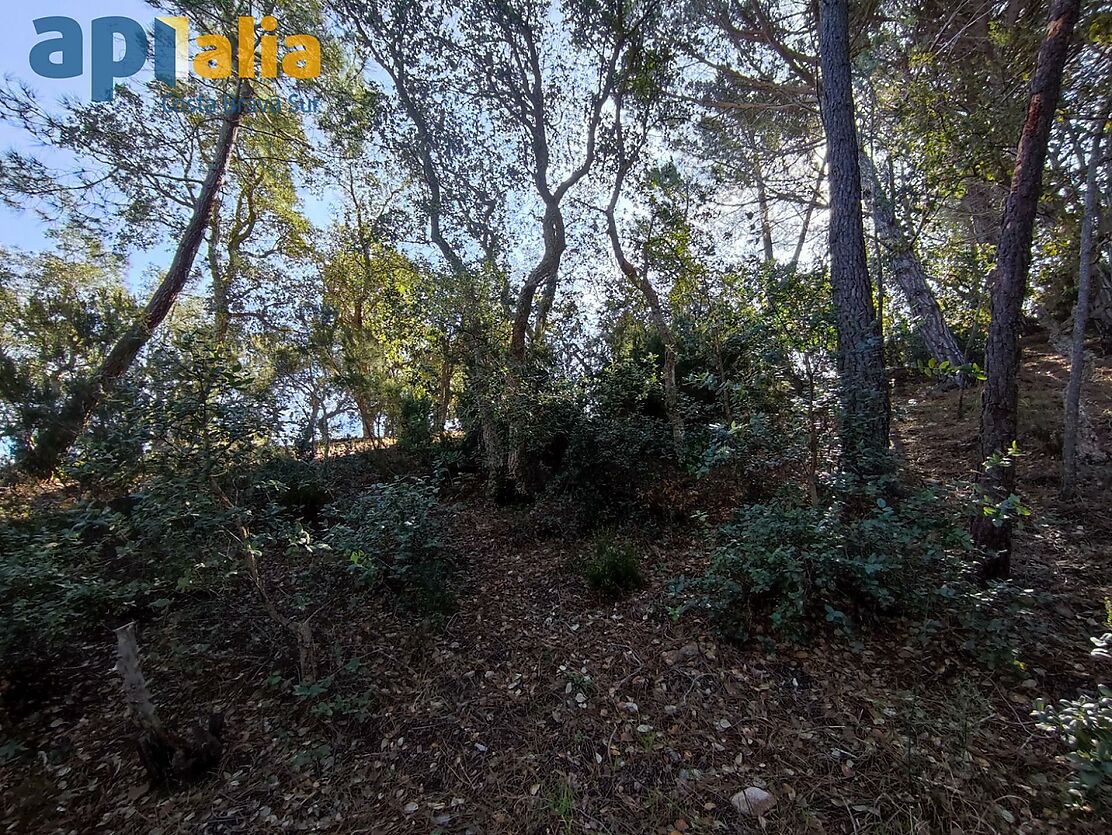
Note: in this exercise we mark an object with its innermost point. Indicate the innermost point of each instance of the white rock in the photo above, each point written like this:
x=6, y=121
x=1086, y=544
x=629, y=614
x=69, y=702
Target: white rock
x=753, y=801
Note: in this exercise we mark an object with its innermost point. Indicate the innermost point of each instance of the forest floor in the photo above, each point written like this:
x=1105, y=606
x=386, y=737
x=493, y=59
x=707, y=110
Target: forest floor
x=537, y=708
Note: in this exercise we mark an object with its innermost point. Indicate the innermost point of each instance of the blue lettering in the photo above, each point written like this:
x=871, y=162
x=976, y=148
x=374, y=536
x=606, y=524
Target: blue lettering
x=68, y=45
x=106, y=69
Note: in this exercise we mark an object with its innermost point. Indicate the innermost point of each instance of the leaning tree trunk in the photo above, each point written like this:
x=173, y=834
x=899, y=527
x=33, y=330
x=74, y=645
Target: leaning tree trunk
x=521, y=466
x=991, y=532
x=908, y=271
x=56, y=439
x=863, y=387
x=1081, y=313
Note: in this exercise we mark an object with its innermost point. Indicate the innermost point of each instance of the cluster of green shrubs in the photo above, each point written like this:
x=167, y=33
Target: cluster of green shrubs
x=53, y=578
x=391, y=534
x=159, y=475
x=1085, y=726
x=779, y=567
x=177, y=479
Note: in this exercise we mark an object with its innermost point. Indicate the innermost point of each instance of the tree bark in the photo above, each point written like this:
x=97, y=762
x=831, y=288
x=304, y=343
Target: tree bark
x=444, y=392
x=908, y=271
x=762, y=206
x=862, y=382
x=1009, y=286
x=58, y=437
x=1089, y=222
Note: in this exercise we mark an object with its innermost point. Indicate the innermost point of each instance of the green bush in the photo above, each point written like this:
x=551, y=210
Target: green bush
x=296, y=486
x=612, y=568
x=177, y=447
x=168, y=461
x=1085, y=725
x=755, y=449
x=391, y=531
x=780, y=566
x=605, y=440
x=56, y=579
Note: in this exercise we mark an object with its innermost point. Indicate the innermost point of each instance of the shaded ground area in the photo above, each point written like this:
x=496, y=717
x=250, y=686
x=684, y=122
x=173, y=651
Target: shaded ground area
x=537, y=707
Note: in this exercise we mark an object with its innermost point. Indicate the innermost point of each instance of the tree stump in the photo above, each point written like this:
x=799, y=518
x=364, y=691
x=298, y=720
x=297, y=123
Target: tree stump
x=164, y=754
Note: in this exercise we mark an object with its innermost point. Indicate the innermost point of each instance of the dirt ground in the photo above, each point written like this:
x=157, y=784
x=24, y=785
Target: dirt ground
x=537, y=708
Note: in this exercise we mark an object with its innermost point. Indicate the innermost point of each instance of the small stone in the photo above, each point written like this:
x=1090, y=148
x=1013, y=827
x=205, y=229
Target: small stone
x=684, y=653
x=753, y=801
x=410, y=807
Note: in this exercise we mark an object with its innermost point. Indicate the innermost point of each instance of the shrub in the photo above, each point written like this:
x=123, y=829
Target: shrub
x=778, y=566
x=604, y=441
x=754, y=450
x=392, y=531
x=612, y=568
x=1085, y=725
x=177, y=446
x=53, y=581
x=168, y=461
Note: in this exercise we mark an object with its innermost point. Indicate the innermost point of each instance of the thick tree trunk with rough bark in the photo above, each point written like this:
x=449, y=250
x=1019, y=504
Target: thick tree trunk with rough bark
x=863, y=385
x=908, y=271
x=1089, y=223
x=1009, y=286
x=56, y=439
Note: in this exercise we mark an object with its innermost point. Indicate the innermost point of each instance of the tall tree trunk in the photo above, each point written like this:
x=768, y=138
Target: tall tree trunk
x=367, y=411
x=762, y=206
x=220, y=307
x=56, y=439
x=907, y=270
x=1081, y=312
x=1009, y=286
x=544, y=274
x=444, y=392
x=667, y=337
x=863, y=386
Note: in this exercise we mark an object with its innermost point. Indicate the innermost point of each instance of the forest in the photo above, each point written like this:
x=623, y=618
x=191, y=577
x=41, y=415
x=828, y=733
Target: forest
x=556, y=416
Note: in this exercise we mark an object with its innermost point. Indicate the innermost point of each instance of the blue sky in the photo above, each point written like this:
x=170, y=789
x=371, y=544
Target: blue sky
x=23, y=228
x=17, y=36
